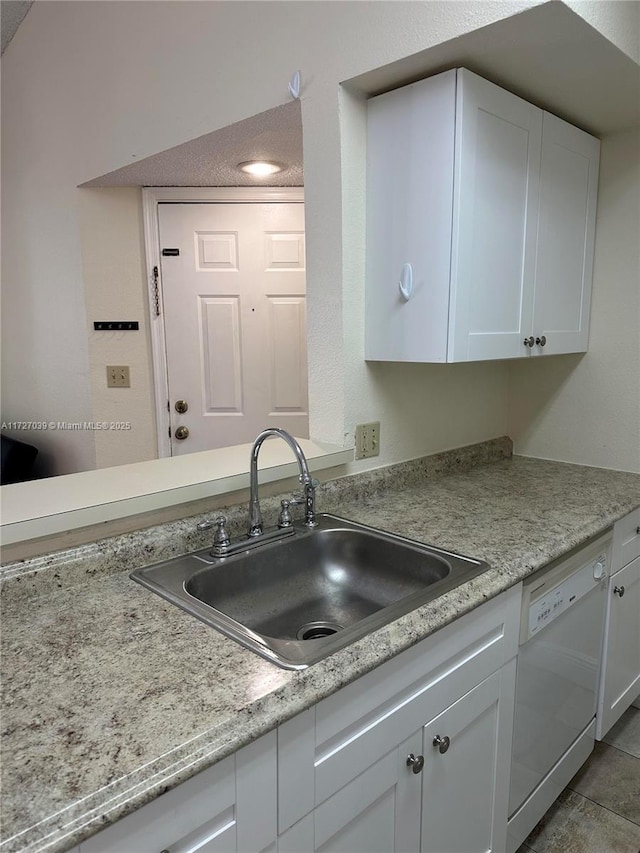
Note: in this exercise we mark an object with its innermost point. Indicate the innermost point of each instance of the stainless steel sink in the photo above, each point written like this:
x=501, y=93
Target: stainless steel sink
x=296, y=600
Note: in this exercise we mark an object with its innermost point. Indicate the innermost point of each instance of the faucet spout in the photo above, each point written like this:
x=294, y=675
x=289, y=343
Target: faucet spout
x=308, y=484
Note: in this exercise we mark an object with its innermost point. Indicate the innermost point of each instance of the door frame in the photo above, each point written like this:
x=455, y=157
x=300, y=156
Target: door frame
x=152, y=197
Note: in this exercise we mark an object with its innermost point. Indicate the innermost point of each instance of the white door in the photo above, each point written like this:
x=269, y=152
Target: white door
x=466, y=770
x=498, y=140
x=378, y=812
x=235, y=325
x=566, y=234
x=621, y=656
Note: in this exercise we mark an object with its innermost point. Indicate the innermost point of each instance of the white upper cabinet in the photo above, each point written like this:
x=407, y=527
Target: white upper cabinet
x=480, y=225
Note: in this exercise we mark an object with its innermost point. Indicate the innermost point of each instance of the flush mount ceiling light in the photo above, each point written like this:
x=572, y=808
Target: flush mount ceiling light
x=260, y=168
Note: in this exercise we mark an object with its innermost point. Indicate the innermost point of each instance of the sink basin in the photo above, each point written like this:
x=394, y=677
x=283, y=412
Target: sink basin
x=296, y=600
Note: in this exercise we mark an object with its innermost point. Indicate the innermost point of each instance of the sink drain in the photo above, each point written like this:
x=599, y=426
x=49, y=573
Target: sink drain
x=316, y=630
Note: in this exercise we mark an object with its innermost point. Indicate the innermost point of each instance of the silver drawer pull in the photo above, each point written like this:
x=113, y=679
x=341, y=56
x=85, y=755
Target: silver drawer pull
x=618, y=590
x=443, y=743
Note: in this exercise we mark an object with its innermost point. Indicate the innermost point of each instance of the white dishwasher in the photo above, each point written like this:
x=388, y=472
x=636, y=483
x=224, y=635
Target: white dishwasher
x=561, y=633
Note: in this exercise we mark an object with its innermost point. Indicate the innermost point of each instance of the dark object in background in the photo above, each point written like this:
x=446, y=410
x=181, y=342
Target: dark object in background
x=17, y=460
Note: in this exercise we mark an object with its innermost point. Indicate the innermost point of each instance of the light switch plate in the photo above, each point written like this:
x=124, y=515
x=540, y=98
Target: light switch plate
x=118, y=376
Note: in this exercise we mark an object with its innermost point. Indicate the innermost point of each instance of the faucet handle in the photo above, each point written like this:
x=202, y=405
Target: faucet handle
x=285, y=519
x=221, y=536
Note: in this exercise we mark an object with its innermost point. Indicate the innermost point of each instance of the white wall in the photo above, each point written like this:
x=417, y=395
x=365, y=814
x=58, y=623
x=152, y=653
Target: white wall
x=89, y=87
x=586, y=409
x=114, y=274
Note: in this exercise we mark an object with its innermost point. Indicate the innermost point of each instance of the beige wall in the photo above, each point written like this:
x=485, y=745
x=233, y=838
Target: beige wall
x=618, y=20
x=113, y=267
x=586, y=409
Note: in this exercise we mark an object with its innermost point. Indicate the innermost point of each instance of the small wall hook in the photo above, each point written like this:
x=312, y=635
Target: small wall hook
x=294, y=86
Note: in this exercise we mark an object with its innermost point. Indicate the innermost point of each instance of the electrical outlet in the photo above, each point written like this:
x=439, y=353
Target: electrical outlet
x=367, y=440
x=118, y=376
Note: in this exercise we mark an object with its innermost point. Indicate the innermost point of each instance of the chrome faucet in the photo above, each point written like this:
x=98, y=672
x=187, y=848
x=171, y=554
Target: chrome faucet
x=308, y=483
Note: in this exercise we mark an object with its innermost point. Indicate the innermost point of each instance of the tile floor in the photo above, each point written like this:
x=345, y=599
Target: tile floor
x=599, y=810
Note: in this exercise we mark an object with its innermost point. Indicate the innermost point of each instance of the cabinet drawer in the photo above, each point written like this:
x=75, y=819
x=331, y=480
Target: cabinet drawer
x=323, y=749
x=230, y=806
x=626, y=540
x=200, y=811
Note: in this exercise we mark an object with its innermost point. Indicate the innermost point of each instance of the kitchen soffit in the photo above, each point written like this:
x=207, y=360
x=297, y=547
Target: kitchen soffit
x=547, y=55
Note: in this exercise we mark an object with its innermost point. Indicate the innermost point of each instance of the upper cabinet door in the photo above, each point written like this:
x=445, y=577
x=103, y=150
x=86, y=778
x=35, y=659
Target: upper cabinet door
x=410, y=150
x=498, y=142
x=567, y=221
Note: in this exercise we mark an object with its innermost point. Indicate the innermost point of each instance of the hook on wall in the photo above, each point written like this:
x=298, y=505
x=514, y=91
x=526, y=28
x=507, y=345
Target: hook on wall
x=294, y=85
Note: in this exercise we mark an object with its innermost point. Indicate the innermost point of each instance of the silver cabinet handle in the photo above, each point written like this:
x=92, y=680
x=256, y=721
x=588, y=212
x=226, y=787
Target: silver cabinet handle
x=530, y=341
x=415, y=763
x=618, y=590
x=541, y=341
x=443, y=743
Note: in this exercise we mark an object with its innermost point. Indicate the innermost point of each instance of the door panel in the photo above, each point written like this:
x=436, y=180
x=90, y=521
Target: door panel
x=621, y=672
x=495, y=220
x=287, y=344
x=470, y=778
x=379, y=812
x=568, y=195
x=235, y=323
x=221, y=354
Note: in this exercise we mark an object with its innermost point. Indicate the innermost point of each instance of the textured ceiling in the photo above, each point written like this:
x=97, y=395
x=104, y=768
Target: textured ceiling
x=12, y=13
x=211, y=160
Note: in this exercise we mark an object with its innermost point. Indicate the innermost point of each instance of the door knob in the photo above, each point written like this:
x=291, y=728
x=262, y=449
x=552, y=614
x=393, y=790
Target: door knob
x=541, y=341
x=442, y=743
x=529, y=342
x=618, y=590
x=181, y=433
x=415, y=763
x=181, y=406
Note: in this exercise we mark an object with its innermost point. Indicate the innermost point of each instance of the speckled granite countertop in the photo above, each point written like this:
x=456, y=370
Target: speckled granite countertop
x=111, y=695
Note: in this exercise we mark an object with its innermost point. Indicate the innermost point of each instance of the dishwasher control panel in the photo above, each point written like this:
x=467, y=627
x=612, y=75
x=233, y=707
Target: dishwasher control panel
x=550, y=592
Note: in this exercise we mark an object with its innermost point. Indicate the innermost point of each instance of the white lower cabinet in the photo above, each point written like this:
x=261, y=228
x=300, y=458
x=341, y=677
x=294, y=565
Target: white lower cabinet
x=385, y=764
x=409, y=800
x=620, y=672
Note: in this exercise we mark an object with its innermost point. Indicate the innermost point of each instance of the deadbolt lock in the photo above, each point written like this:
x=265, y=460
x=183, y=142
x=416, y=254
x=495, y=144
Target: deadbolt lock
x=181, y=433
x=181, y=407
